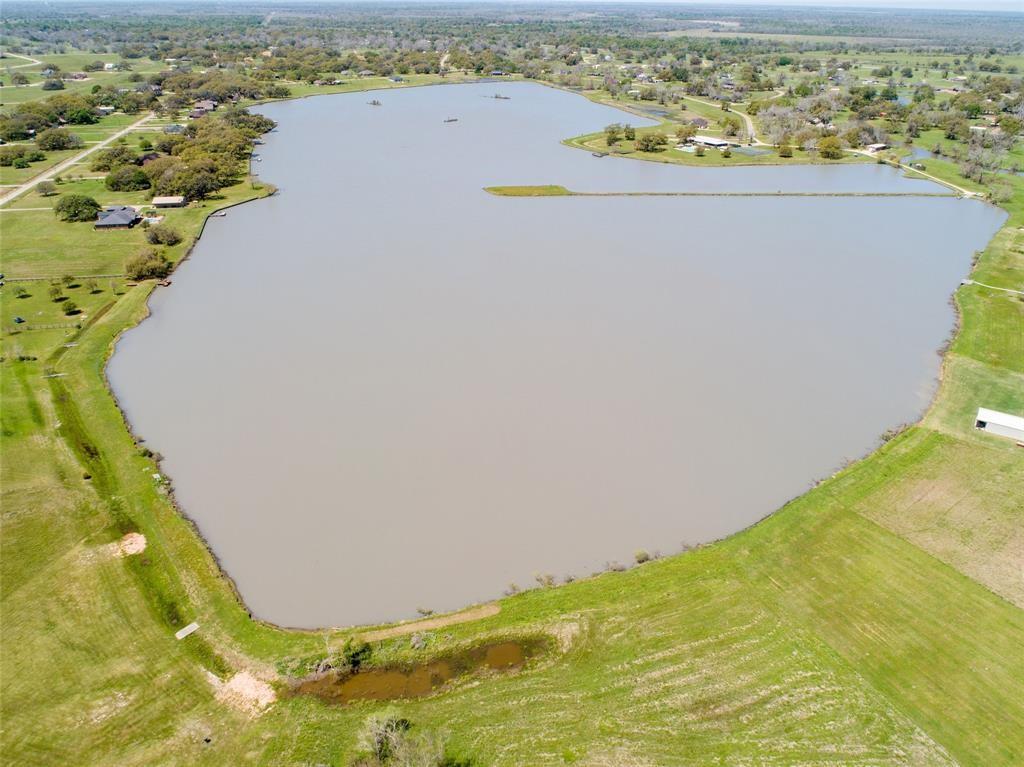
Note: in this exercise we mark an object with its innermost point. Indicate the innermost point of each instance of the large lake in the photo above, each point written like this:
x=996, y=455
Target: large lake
x=384, y=389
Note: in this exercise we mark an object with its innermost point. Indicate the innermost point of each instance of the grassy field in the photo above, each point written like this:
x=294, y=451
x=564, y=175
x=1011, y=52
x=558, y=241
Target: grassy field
x=37, y=244
x=875, y=620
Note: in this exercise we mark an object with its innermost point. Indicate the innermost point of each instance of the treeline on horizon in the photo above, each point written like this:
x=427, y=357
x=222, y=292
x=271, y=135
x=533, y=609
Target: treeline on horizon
x=144, y=28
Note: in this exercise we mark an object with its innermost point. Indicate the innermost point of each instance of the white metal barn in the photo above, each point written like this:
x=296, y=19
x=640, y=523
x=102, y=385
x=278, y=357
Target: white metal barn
x=1003, y=424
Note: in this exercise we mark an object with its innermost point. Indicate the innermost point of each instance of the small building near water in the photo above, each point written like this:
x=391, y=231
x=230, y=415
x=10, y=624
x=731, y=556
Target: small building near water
x=1001, y=424
x=117, y=217
x=710, y=141
x=176, y=201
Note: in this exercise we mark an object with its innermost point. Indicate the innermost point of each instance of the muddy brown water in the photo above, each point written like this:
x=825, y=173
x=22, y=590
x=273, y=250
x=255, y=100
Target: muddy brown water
x=418, y=680
x=384, y=389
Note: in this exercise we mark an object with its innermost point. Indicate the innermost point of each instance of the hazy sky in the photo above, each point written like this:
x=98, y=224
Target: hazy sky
x=966, y=5
x=972, y=5
x=975, y=5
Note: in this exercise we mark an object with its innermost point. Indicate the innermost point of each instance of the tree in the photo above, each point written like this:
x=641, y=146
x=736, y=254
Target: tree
x=19, y=78
x=730, y=125
x=149, y=264
x=830, y=147
x=390, y=740
x=162, y=234
x=128, y=178
x=1011, y=125
x=686, y=131
x=53, y=84
x=650, y=142
x=82, y=116
x=55, y=291
x=785, y=150
x=70, y=307
x=46, y=188
x=195, y=185
x=56, y=139
x=76, y=207
x=955, y=127
x=699, y=151
x=612, y=134
x=629, y=132
x=116, y=156
x=277, y=92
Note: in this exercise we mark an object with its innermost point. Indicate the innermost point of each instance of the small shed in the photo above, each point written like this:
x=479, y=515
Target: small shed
x=1002, y=424
x=175, y=201
x=876, y=147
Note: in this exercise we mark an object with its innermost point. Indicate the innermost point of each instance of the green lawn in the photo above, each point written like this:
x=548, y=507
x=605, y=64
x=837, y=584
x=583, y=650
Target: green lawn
x=875, y=620
x=11, y=176
x=37, y=244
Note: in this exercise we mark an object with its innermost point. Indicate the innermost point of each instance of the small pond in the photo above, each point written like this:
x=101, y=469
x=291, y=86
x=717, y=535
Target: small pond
x=417, y=680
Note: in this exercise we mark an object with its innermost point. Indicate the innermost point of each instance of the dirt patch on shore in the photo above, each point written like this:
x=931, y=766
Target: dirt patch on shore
x=131, y=543
x=244, y=692
x=427, y=624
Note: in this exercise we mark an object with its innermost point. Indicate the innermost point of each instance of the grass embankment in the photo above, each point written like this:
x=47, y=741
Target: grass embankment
x=553, y=190
x=875, y=620
x=542, y=190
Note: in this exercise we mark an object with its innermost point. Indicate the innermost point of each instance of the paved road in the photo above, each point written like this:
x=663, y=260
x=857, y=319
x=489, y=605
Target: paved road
x=56, y=170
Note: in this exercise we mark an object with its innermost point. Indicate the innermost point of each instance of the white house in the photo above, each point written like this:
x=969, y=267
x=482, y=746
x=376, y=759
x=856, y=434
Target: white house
x=710, y=141
x=1003, y=424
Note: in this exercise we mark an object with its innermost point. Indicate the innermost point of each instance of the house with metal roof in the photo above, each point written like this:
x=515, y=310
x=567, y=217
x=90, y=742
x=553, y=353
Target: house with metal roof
x=117, y=217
